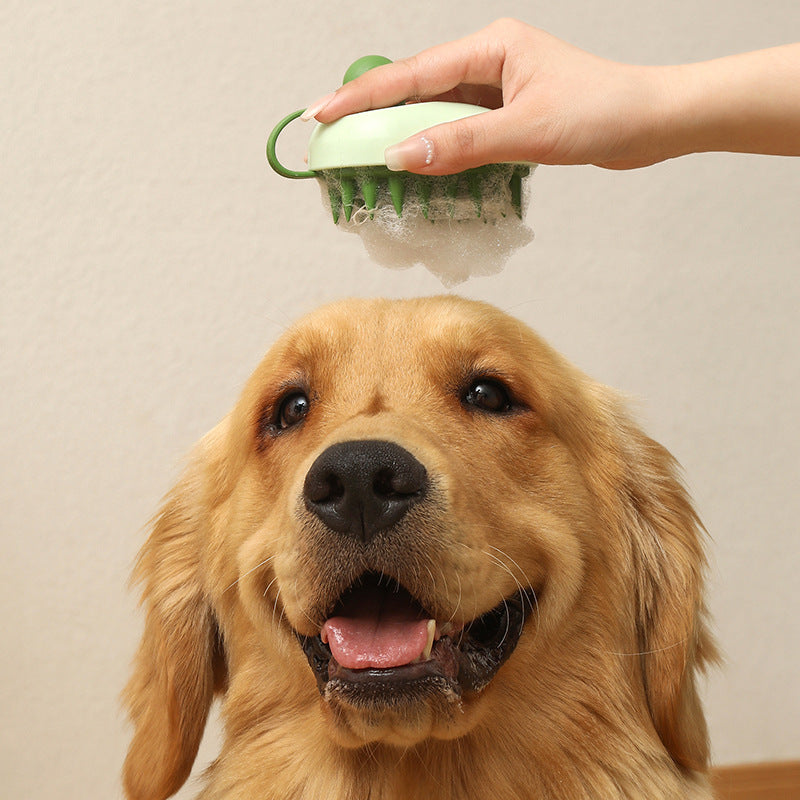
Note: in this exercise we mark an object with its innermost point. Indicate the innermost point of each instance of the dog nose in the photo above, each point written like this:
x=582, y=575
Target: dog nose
x=363, y=487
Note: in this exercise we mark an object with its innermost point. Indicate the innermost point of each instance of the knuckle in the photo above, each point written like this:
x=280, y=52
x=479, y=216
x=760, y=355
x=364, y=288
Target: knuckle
x=414, y=80
x=505, y=25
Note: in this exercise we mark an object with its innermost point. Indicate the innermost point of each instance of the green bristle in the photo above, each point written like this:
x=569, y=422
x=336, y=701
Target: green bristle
x=474, y=180
x=348, y=194
x=422, y=185
x=516, y=191
x=336, y=201
x=397, y=190
x=451, y=191
x=369, y=191
x=348, y=187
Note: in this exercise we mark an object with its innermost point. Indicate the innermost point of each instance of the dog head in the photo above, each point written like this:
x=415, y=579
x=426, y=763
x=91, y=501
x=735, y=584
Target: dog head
x=417, y=515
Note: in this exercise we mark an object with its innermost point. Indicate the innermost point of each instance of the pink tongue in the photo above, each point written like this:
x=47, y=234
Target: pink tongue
x=380, y=631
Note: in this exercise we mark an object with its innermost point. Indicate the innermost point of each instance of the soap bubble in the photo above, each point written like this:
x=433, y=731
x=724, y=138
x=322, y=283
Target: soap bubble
x=454, y=237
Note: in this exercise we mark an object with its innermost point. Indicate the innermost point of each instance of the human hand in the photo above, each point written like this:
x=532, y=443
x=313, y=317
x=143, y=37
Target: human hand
x=553, y=103
x=556, y=104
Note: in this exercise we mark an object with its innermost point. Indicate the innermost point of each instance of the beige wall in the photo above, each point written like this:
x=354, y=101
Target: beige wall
x=148, y=258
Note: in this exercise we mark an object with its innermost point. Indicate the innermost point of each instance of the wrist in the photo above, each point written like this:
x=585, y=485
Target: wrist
x=678, y=122
x=649, y=118
x=694, y=112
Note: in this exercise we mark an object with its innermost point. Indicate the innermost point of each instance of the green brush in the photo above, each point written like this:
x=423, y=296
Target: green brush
x=347, y=157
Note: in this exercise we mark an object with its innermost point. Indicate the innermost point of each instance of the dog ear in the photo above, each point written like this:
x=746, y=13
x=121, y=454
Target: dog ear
x=180, y=660
x=668, y=566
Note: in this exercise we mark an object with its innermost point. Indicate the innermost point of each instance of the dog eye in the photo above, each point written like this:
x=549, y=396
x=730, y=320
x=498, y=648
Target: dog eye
x=489, y=395
x=292, y=410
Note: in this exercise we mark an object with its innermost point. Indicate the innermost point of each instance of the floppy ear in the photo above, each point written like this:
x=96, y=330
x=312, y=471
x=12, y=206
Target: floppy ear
x=180, y=656
x=668, y=565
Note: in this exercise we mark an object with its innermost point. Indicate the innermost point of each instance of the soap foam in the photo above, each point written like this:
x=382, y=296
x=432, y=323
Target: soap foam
x=453, y=242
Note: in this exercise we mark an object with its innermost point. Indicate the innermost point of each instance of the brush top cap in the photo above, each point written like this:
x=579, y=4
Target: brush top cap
x=359, y=140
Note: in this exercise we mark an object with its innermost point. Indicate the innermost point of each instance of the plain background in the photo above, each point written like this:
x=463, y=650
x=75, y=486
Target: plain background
x=149, y=257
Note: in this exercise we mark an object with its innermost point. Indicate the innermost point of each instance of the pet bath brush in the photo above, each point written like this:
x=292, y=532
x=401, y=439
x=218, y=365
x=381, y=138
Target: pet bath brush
x=346, y=156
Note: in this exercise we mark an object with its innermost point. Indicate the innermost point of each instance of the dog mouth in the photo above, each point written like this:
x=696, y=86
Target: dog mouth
x=379, y=645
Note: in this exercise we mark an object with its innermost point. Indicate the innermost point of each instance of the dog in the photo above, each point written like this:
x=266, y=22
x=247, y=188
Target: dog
x=423, y=557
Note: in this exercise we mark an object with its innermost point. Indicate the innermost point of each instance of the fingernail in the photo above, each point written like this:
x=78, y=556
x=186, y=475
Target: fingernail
x=315, y=108
x=413, y=153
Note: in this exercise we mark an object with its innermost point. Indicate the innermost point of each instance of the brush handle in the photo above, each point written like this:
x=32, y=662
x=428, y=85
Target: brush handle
x=272, y=158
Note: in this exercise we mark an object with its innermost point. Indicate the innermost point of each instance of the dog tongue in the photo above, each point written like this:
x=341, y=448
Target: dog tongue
x=377, y=629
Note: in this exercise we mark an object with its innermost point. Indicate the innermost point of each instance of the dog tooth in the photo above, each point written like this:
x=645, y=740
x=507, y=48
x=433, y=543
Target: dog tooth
x=426, y=653
x=323, y=634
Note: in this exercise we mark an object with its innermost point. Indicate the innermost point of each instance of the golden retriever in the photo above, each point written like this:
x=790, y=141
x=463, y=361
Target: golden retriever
x=423, y=557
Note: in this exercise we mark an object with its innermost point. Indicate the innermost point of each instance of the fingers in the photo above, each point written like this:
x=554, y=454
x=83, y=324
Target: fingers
x=493, y=137
x=476, y=59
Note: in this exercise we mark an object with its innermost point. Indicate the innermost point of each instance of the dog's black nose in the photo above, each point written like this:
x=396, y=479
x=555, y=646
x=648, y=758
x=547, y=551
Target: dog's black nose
x=363, y=487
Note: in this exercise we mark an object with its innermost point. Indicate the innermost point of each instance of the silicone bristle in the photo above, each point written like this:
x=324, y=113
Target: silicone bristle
x=369, y=191
x=348, y=194
x=451, y=191
x=336, y=202
x=362, y=192
x=397, y=191
x=516, y=191
x=474, y=182
x=423, y=188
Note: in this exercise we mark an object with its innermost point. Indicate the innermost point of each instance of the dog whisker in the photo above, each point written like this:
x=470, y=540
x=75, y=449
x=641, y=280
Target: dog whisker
x=275, y=606
x=269, y=586
x=531, y=592
x=314, y=622
x=424, y=763
x=458, y=602
x=508, y=622
x=524, y=593
x=281, y=326
x=535, y=608
x=403, y=753
x=369, y=753
x=241, y=577
x=444, y=580
x=433, y=582
x=277, y=595
x=681, y=643
x=526, y=579
x=504, y=567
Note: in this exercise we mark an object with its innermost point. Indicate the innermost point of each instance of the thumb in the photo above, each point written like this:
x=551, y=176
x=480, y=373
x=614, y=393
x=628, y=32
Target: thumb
x=489, y=138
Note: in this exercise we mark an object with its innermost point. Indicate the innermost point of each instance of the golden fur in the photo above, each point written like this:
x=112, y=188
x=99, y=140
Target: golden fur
x=565, y=496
